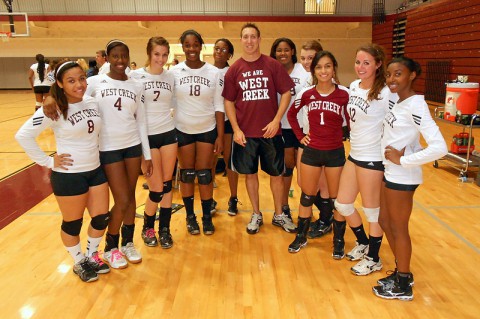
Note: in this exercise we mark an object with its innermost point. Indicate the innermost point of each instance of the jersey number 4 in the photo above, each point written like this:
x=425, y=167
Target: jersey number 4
x=118, y=104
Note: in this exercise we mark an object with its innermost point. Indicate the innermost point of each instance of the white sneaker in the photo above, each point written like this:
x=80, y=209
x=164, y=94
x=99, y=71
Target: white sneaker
x=366, y=266
x=115, y=259
x=132, y=254
x=284, y=221
x=357, y=252
x=256, y=221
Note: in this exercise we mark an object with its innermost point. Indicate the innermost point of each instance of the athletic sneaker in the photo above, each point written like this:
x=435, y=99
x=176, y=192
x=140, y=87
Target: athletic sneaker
x=297, y=244
x=389, y=281
x=149, y=237
x=166, y=240
x=192, y=225
x=366, y=266
x=394, y=292
x=83, y=270
x=357, y=252
x=256, y=221
x=319, y=229
x=338, y=249
x=98, y=265
x=213, y=209
x=115, y=259
x=208, y=228
x=232, y=206
x=284, y=221
x=132, y=254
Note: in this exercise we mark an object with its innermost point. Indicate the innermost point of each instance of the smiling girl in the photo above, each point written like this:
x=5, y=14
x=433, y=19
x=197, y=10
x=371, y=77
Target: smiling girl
x=77, y=179
x=403, y=156
x=325, y=104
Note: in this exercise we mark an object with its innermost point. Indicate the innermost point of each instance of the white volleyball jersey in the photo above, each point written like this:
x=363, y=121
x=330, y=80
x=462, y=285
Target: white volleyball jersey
x=197, y=97
x=158, y=99
x=402, y=127
x=366, y=119
x=300, y=78
x=36, y=78
x=78, y=135
x=221, y=80
x=122, y=111
x=104, y=69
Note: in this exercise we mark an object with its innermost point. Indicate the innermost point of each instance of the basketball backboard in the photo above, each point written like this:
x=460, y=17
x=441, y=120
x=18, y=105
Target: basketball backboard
x=16, y=23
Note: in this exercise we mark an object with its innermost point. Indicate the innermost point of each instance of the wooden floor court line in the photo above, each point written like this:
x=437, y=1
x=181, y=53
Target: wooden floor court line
x=446, y=226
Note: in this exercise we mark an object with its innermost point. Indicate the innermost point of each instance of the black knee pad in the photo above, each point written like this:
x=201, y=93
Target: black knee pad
x=307, y=200
x=167, y=187
x=288, y=172
x=155, y=197
x=187, y=175
x=72, y=228
x=204, y=176
x=100, y=222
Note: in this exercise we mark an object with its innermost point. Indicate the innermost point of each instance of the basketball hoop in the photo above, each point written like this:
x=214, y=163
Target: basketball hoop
x=5, y=36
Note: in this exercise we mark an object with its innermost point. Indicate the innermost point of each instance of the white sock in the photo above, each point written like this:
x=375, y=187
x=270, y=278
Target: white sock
x=76, y=253
x=92, y=245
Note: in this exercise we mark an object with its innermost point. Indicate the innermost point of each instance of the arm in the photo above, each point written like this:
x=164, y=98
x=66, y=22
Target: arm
x=272, y=128
x=31, y=75
x=238, y=135
x=142, y=130
x=26, y=138
x=292, y=116
x=219, y=115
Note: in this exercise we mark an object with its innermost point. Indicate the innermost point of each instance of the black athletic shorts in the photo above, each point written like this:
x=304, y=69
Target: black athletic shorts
x=186, y=139
x=373, y=165
x=72, y=184
x=319, y=158
x=269, y=150
x=41, y=89
x=158, y=140
x=109, y=157
x=228, y=127
x=289, y=138
x=400, y=187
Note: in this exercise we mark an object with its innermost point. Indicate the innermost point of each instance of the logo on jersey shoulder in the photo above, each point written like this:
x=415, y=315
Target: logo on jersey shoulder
x=37, y=120
x=312, y=97
x=104, y=81
x=143, y=77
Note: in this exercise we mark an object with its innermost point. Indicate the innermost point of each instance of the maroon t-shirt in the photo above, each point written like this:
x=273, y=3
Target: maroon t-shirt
x=326, y=116
x=253, y=87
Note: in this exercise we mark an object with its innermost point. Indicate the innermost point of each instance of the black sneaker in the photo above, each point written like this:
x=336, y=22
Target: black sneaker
x=319, y=229
x=166, y=240
x=213, y=208
x=192, y=225
x=394, y=292
x=97, y=264
x=299, y=242
x=232, y=206
x=338, y=249
x=208, y=228
x=83, y=270
x=389, y=281
x=149, y=237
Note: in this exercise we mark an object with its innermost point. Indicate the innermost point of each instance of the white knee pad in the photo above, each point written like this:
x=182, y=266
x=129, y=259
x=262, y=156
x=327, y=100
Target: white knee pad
x=372, y=214
x=344, y=209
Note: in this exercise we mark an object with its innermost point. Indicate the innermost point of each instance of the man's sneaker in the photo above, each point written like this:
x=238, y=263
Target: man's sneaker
x=149, y=237
x=256, y=221
x=232, y=206
x=97, y=264
x=192, y=225
x=208, y=228
x=338, y=249
x=366, y=266
x=285, y=222
x=115, y=259
x=299, y=242
x=166, y=240
x=394, y=292
x=132, y=254
x=83, y=270
x=389, y=281
x=213, y=208
x=319, y=229
x=357, y=252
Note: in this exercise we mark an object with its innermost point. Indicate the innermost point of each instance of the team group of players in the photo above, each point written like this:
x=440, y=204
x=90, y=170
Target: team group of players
x=271, y=109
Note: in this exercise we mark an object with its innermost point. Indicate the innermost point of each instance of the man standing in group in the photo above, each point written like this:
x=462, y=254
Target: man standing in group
x=250, y=92
x=102, y=64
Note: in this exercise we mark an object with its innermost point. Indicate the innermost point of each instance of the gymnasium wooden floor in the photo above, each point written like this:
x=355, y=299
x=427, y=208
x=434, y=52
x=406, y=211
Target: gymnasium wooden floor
x=232, y=274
